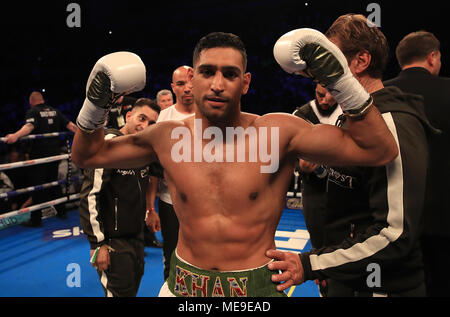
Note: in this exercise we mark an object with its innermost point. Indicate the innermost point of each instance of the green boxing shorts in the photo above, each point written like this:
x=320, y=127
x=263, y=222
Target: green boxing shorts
x=186, y=280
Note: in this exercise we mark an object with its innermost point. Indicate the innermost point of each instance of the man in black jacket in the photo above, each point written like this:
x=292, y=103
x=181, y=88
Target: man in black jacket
x=419, y=56
x=323, y=109
x=371, y=243
x=112, y=212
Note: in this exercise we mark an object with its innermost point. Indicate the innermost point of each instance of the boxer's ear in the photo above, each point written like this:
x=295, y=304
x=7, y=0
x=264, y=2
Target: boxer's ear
x=190, y=74
x=246, y=82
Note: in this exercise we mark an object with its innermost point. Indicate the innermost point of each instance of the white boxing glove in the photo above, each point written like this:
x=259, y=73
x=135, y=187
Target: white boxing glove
x=308, y=52
x=113, y=75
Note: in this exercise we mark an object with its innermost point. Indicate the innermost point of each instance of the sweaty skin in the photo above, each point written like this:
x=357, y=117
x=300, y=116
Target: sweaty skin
x=229, y=211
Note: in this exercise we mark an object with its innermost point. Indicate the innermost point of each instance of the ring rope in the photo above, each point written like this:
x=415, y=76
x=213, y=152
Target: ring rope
x=67, y=180
x=8, y=166
x=38, y=187
x=39, y=206
x=39, y=136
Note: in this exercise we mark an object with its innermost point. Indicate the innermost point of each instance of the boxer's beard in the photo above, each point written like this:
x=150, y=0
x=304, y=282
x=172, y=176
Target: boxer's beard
x=220, y=118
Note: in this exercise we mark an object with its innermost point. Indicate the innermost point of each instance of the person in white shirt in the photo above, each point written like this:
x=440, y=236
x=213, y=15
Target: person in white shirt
x=183, y=108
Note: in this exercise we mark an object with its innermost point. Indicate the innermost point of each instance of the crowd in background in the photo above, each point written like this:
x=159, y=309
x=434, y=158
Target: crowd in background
x=46, y=55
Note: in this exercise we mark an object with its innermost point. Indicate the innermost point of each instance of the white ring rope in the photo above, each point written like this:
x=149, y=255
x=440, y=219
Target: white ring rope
x=8, y=166
x=39, y=206
x=44, y=160
x=39, y=136
x=38, y=187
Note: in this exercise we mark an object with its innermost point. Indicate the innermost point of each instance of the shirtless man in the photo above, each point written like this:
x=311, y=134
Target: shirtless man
x=229, y=209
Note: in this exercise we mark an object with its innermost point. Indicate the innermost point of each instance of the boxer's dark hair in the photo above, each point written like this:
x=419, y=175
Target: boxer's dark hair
x=416, y=47
x=141, y=102
x=220, y=39
x=357, y=34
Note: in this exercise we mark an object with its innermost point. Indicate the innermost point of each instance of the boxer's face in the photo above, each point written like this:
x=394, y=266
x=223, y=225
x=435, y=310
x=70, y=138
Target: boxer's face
x=219, y=82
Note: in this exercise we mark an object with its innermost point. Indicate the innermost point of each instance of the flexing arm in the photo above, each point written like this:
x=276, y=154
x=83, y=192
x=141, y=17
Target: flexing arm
x=367, y=141
x=90, y=150
x=113, y=75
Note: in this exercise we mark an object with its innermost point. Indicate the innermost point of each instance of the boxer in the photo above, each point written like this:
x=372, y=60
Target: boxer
x=229, y=211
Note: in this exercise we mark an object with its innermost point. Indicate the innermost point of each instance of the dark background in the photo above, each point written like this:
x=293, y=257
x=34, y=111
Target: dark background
x=39, y=51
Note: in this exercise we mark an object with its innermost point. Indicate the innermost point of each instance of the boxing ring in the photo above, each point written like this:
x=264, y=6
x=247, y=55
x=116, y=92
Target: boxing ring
x=8, y=218
x=45, y=261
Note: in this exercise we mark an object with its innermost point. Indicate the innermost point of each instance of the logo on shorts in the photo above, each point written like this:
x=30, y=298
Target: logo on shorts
x=190, y=284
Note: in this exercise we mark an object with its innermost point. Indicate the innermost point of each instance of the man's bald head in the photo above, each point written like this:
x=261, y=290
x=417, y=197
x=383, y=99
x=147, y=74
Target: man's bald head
x=182, y=88
x=36, y=98
x=180, y=71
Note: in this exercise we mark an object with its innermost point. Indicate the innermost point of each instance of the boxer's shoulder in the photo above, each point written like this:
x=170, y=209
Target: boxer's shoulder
x=278, y=120
x=162, y=132
x=249, y=119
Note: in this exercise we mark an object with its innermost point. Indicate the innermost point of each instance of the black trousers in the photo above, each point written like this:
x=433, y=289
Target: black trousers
x=169, y=232
x=123, y=276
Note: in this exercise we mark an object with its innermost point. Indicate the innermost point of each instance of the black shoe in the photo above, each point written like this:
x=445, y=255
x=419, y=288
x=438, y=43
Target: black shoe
x=32, y=224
